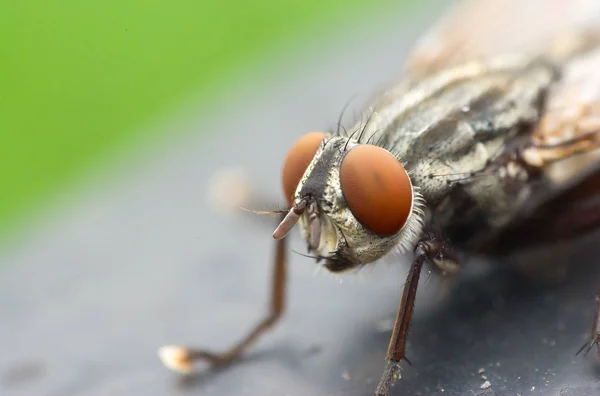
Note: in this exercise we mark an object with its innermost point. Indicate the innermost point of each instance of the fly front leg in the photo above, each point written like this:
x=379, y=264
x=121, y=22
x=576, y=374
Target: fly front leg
x=182, y=359
x=430, y=249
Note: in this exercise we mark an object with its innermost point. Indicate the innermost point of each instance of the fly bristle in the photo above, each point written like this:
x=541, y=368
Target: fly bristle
x=411, y=231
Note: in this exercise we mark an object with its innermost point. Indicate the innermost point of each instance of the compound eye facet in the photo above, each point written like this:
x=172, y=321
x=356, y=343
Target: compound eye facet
x=377, y=189
x=297, y=160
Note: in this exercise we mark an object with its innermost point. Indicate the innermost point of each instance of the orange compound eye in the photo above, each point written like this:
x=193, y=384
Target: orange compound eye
x=297, y=160
x=377, y=189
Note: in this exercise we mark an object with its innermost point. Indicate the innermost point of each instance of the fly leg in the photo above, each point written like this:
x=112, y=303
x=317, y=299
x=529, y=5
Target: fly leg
x=182, y=359
x=427, y=249
x=595, y=334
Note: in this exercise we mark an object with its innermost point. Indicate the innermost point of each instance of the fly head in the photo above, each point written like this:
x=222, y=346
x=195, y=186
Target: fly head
x=354, y=202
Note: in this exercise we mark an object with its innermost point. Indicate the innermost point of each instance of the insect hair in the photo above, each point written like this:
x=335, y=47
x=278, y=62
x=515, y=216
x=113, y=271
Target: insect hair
x=318, y=258
x=341, y=116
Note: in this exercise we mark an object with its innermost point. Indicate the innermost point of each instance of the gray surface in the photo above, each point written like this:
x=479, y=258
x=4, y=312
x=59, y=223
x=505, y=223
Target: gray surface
x=142, y=260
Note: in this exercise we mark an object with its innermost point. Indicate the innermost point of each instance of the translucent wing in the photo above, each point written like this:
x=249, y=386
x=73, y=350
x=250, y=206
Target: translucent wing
x=483, y=28
x=476, y=30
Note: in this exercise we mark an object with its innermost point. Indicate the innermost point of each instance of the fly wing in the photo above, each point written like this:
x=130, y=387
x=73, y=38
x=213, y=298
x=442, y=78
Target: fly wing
x=477, y=29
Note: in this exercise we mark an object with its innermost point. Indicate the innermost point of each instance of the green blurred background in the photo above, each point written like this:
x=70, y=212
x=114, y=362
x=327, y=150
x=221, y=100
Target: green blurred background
x=79, y=79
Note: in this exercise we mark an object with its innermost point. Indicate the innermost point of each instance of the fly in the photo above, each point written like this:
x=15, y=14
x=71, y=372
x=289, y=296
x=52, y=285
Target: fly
x=489, y=142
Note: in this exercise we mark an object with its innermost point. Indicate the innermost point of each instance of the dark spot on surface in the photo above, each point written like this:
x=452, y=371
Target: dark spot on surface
x=583, y=391
x=23, y=373
x=313, y=350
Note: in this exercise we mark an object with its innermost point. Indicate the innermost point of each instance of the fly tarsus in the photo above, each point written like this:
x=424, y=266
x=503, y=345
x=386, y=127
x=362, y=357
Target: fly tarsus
x=391, y=373
x=587, y=347
x=182, y=359
x=595, y=333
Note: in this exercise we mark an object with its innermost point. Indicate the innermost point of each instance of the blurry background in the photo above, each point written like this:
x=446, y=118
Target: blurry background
x=114, y=118
x=82, y=79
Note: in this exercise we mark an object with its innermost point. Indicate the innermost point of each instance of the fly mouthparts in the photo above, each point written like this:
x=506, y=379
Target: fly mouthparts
x=289, y=221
